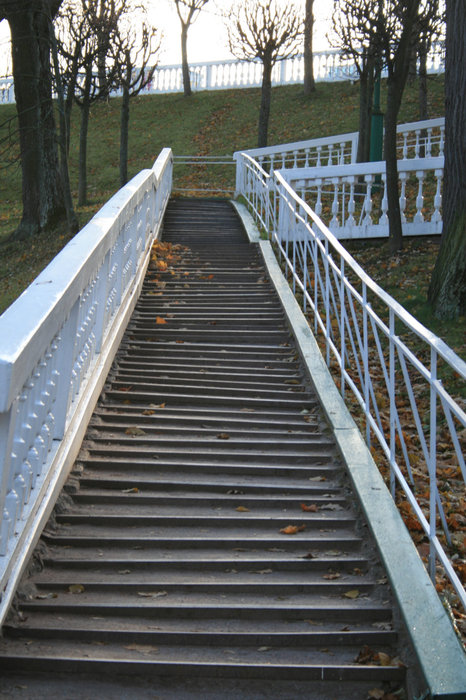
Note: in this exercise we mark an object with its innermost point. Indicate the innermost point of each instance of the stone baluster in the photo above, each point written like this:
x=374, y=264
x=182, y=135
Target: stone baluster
x=403, y=176
x=419, y=216
x=334, y=222
x=368, y=201
x=437, y=216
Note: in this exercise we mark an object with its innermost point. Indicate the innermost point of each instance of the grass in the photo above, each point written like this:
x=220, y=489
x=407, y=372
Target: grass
x=208, y=123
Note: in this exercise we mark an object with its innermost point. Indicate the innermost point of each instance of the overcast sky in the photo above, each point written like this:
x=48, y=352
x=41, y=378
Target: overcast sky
x=207, y=38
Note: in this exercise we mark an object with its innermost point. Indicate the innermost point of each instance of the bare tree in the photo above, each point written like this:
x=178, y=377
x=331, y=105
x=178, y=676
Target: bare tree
x=188, y=11
x=398, y=29
x=389, y=30
x=90, y=75
x=42, y=191
x=447, y=291
x=269, y=31
x=309, y=81
x=132, y=51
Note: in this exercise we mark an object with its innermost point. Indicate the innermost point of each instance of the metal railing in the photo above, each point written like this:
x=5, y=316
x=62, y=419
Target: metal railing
x=381, y=356
x=57, y=343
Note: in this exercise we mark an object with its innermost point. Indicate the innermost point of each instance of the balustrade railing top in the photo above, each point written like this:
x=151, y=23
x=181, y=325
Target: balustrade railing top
x=57, y=343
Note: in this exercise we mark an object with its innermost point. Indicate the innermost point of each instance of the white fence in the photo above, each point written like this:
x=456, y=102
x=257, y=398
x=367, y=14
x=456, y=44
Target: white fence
x=329, y=66
x=339, y=298
x=57, y=343
x=421, y=139
x=351, y=197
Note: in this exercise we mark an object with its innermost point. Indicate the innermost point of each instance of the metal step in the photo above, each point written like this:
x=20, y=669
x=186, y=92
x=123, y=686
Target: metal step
x=208, y=533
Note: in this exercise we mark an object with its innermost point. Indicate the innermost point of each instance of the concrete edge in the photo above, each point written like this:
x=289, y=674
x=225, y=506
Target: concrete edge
x=248, y=222
x=440, y=654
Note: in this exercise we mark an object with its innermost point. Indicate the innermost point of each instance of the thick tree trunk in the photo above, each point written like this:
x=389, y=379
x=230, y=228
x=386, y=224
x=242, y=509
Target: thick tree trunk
x=309, y=82
x=124, y=131
x=184, y=61
x=398, y=70
x=41, y=190
x=447, y=291
x=391, y=166
x=264, y=112
x=366, y=93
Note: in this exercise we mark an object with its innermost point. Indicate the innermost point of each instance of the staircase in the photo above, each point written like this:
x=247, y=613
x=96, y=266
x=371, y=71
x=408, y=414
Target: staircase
x=207, y=543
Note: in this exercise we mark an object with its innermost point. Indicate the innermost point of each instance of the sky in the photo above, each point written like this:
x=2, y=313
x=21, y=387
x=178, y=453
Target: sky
x=207, y=37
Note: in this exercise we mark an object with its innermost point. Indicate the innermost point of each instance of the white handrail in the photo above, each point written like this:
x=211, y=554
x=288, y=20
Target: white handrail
x=338, y=296
x=57, y=342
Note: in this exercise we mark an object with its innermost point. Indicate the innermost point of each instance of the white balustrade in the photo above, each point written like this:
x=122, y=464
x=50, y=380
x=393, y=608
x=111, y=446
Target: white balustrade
x=415, y=140
x=57, y=341
x=329, y=66
x=360, y=344
x=352, y=199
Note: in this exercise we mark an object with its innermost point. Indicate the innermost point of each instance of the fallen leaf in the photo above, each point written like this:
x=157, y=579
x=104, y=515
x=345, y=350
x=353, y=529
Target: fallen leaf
x=352, y=594
x=292, y=529
x=133, y=490
x=76, y=588
x=242, y=509
x=152, y=594
x=309, y=509
x=143, y=648
x=148, y=413
x=262, y=571
x=160, y=320
x=223, y=436
x=384, y=659
x=331, y=576
x=135, y=431
x=46, y=596
x=376, y=694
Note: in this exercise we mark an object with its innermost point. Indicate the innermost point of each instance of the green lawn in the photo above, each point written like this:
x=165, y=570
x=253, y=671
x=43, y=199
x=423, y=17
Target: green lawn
x=208, y=123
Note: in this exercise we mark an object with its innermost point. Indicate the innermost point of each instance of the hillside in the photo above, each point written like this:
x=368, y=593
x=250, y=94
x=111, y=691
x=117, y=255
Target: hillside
x=208, y=123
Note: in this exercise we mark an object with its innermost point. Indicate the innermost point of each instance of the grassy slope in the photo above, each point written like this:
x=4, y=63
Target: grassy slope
x=219, y=122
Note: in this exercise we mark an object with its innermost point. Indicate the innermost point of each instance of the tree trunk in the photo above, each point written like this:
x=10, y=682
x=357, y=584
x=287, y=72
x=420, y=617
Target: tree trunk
x=85, y=109
x=447, y=290
x=41, y=191
x=391, y=166
x=398, y=70
x=309, y=82
x=264, y=112
x=366, y=92
x=73, y=224
x=70, y=93
x=423, y=114
x=124, y=130
x=184, y=61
